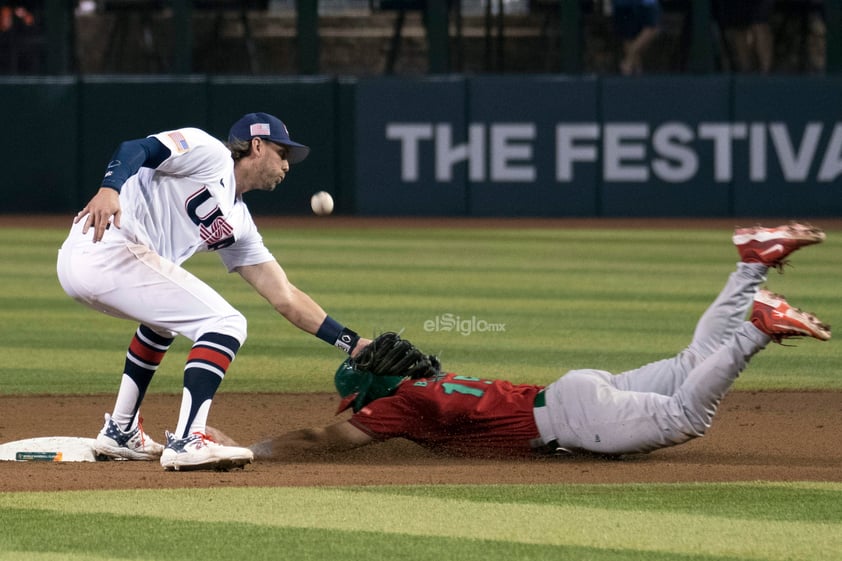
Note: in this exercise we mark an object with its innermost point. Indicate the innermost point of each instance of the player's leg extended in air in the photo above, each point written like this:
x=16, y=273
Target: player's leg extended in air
x=671, y=401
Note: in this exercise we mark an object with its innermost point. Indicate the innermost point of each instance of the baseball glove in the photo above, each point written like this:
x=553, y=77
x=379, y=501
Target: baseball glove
x=389, y=355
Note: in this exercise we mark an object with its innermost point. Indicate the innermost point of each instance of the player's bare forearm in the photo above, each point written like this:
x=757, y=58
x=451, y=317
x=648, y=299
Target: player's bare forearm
x=98, y=212
x=218, y=436
x=311, y=443
x=308, y=315
x=304, y=310
x=271, y=282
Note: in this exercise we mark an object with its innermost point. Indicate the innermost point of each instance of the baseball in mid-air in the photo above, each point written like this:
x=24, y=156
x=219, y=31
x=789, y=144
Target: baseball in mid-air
x=321, y=203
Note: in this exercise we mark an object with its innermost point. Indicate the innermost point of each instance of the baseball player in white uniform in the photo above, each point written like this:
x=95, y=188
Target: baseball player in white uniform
x=163, y=199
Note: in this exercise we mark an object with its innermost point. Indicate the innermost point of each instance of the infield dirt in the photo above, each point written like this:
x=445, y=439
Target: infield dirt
x=768, y=436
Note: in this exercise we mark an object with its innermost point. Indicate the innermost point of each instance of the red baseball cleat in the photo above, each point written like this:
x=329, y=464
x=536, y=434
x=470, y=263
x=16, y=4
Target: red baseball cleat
x=773, y=315
x=771, y=246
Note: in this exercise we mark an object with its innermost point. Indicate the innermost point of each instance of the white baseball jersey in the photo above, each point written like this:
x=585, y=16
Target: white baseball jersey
x=188, y=204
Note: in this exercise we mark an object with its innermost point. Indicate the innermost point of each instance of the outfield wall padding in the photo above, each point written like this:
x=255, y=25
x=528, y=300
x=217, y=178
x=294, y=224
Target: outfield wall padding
x=543, y=145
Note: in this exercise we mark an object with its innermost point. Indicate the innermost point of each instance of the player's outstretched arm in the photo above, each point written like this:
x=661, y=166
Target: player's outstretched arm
x=98, y=212
x=311, y=443
x=271, y=282
x=302, y=443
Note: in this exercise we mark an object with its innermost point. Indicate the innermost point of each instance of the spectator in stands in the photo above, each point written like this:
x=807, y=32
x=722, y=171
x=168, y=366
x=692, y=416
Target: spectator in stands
x=637, y=23
x=10, y=13
x=747, y=35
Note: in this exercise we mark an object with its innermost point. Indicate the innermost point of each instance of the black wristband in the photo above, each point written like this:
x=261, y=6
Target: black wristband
x=347, y=340
x=336, y=334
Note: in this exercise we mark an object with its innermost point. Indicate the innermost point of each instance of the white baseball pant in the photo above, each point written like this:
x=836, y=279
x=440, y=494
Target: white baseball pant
x=131, y=281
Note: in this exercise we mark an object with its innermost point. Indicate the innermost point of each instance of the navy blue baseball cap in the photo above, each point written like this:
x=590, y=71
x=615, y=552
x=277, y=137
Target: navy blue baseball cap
x=268, y=127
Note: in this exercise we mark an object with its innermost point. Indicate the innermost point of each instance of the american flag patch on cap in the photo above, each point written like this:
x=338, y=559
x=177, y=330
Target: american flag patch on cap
x=180, y=142
x=259, y=129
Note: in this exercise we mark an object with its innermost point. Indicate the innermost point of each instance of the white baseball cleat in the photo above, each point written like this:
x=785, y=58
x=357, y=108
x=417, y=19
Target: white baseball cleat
x=198, y=451
x=135, y=444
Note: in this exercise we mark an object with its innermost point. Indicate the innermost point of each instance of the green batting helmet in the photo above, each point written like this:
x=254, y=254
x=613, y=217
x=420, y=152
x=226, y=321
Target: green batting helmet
x=358, y=387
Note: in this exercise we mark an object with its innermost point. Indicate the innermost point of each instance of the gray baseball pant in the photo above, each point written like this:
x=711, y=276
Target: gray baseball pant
x=663, y=403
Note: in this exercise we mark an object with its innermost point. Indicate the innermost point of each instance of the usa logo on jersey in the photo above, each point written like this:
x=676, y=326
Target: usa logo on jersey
x=214, y=230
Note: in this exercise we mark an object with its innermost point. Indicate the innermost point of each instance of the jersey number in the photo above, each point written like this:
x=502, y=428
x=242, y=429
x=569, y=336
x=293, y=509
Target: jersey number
x=450, y=387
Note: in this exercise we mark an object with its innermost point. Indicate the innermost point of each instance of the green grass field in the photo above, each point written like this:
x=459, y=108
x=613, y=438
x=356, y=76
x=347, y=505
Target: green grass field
x=522, y=304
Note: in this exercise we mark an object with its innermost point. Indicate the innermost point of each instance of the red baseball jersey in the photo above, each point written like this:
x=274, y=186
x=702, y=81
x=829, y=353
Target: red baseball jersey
x=456, y=414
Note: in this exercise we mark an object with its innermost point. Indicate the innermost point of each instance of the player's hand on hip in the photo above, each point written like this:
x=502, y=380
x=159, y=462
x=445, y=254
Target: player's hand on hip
x=100, y=209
